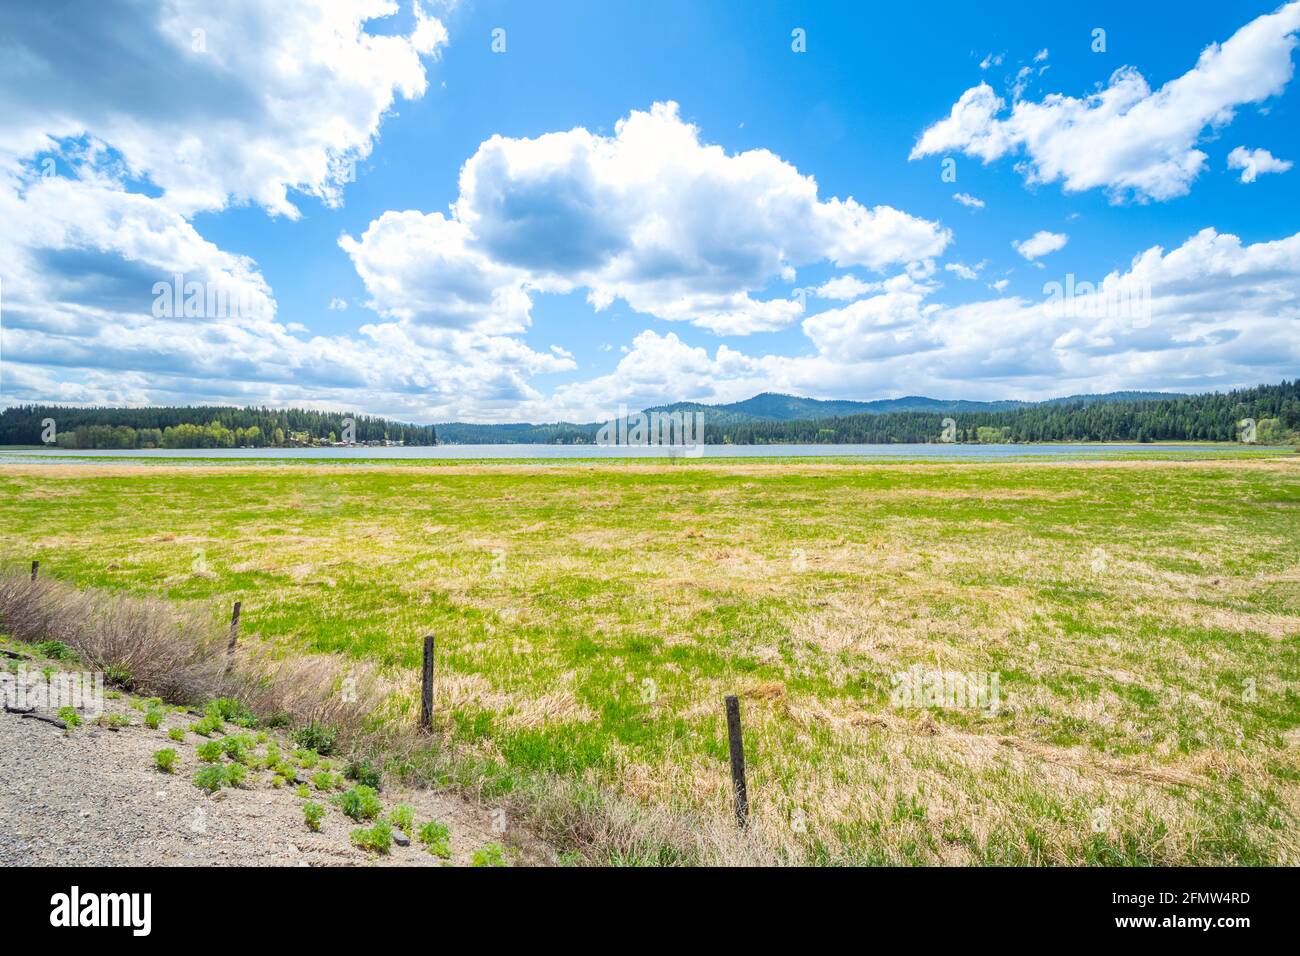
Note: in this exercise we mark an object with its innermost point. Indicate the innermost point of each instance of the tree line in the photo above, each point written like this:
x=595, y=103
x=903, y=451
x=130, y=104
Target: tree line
x=211, y=426
x=1273, y=409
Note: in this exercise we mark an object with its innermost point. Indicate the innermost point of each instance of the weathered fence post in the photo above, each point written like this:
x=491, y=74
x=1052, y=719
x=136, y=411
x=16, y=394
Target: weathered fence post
x=36, y=566
x=234, y=637
x=737, y=761
x=426, y=686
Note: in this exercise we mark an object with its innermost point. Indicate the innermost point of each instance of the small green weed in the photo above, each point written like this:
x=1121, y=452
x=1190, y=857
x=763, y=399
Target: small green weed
x=165, y=760
x=436, y=839
x=313, y=814
x=493, y=854
x=377, y=838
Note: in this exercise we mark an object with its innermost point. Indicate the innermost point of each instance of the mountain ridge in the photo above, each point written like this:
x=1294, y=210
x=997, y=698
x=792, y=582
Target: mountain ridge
x=769, y=407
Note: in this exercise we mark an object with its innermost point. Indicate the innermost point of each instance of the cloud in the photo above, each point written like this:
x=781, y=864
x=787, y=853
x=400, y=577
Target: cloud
x=111, y=295
x=963, y=271
x=338, y=305
x=1126, y=138
x=966, y=199
x=242, y=102
x=1212, y=313
x=991, y=60
x=845, y=287
x=1041, y=55
x=1040, y=244
x=651, y=215
x=889, y=324
x=87, y=266
x=1252, y=162
x=424, y=269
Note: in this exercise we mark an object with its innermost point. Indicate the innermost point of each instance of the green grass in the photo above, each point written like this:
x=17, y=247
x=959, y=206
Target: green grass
x=1142, y=619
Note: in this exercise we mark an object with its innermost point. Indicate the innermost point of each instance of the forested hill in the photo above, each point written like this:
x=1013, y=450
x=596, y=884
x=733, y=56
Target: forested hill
x=1274, y=409
x=199, y=427
x=1115, y=416
x=774, y=406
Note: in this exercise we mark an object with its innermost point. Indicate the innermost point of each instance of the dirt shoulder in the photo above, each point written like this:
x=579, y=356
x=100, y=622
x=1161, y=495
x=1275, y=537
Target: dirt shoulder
x=92, y=796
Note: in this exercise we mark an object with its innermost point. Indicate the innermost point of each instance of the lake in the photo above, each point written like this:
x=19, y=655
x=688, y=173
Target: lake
x=949, y=451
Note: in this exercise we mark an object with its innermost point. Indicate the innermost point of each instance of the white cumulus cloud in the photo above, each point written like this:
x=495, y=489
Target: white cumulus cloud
x=1040, y=244
x=1252, y=162
x=1127, y=138
x=674, y=227
x=845, y=287
x=241, y=101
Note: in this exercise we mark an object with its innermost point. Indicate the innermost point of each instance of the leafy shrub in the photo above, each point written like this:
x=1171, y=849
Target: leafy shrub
x=210, y=751
x=208, y=725
x=306, y=757
x=313, y=814
x=493, y=854
x=364, y=773
x=210, y=778
x=233, y=710
x=359, y=803
x=56, y=651
x=436, y=838
x=239, y=748
x=402, y=817
x=377, y=838
x=272, y=758
x=114, y=721
x=70, y=717
x=176, y=733
x=165, y=760
x=235, y=773
x=326, y=781
x=302, y=791
x=318, y=737
x=153, y=719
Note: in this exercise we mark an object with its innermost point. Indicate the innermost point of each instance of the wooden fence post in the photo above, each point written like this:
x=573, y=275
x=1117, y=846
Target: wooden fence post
x=426, y=686
x=36, y=566
x=234, y=637
x=737, y=761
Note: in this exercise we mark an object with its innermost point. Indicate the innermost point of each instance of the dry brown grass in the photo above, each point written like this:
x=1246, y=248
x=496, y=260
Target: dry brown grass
x=179, y=653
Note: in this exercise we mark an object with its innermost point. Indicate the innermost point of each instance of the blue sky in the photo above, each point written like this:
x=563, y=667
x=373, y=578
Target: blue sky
x=579, y=267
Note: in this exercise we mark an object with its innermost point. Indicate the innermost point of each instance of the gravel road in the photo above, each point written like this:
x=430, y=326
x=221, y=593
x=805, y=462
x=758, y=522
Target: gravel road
x=91, y=797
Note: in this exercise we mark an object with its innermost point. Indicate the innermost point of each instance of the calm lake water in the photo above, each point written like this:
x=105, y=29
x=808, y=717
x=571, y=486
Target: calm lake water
x=623, y=451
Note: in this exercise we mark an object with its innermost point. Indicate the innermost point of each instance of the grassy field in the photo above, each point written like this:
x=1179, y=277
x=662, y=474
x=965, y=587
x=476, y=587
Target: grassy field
x=1141, y=620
